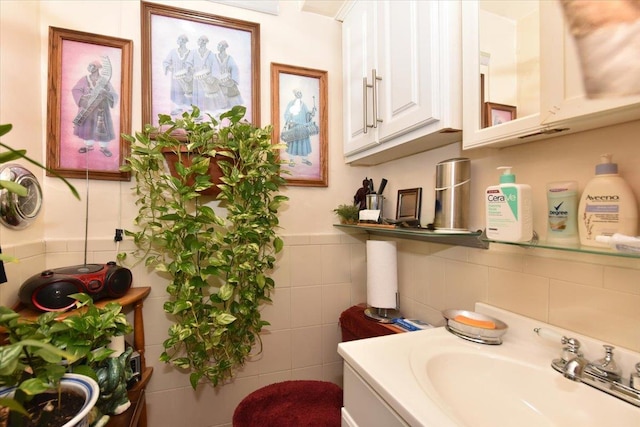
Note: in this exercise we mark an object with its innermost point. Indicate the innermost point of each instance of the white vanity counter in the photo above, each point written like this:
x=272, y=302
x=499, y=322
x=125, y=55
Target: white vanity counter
x=433, y=378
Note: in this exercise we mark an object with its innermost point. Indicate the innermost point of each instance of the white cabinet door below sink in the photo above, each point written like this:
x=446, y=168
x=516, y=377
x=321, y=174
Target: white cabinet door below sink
x=363, y=406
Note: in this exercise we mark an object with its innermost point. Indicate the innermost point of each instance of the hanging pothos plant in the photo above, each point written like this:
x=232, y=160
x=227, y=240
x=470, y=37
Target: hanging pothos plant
x=218, y=265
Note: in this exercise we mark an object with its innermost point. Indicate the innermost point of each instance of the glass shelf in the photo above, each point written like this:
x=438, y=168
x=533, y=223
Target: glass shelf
x=476, y=239
x=576, y=248
x=470, y=239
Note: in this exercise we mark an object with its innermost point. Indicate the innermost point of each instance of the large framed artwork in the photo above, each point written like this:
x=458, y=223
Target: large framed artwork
x=299, y=118
x=192, y=58
x=89, y=104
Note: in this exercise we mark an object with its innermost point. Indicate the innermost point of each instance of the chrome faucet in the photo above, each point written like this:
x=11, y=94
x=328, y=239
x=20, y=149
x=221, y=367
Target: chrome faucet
x=604, y=374
x=572, y=362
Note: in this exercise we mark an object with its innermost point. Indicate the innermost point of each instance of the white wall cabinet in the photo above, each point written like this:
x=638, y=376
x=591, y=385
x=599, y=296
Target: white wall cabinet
x=402, y=78
x=491, y=55
x=540, y=76
x=564, y=99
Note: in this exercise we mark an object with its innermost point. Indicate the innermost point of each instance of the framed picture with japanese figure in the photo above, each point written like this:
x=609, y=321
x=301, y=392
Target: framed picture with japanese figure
x=193, y=58
x=300, y=123
x=89, y=104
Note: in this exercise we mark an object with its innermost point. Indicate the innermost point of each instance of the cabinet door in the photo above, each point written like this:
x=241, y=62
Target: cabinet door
x=364, y=406
x=358, y=54
x=408, y=53
x=407, y=66
x=564, y=98
x=501, y=73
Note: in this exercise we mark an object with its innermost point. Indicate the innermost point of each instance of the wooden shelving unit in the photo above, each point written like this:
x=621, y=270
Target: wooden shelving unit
x=136, y=415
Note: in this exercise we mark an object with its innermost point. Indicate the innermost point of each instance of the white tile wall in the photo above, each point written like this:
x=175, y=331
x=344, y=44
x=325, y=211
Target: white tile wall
x=319, y=276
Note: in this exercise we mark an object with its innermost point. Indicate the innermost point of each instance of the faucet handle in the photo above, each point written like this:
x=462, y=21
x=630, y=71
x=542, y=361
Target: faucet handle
x=571, y=348
x=634, y=381
x=571, y=345
x=607, y=368
x=548, y=334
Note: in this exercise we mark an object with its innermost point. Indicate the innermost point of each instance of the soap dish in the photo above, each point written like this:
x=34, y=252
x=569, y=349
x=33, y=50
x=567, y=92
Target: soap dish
x=475, y=327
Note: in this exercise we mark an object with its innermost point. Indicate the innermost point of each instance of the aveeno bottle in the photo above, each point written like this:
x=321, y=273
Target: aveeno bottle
x=607, y=206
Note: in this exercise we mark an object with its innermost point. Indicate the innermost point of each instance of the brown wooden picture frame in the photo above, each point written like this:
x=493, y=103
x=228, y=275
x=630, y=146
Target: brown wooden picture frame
x=89, y=104
x=495, y=114
x=299, y=115
x=214, y=79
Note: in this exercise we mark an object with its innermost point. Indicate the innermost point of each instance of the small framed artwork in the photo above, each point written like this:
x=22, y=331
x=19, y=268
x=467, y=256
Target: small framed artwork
x=300, y=123
x=192, y=58
x=89, y=104
x=495, y=114
x=409, y=205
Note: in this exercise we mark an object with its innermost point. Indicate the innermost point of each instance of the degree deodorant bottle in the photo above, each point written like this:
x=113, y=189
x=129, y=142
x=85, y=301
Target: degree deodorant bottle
x=509, y=209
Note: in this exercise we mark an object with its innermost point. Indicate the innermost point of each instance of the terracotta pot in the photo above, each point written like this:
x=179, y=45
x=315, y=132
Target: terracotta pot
x=79, y=384
x=214, y=169
x=348, y=221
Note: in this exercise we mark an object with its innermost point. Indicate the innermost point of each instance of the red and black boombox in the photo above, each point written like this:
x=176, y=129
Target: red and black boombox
x=50, y=290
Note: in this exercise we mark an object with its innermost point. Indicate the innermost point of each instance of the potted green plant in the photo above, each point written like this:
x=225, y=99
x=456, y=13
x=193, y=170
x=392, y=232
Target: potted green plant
x=218, y=265
x=13, y=154
x=40, y=354
x=348, y=214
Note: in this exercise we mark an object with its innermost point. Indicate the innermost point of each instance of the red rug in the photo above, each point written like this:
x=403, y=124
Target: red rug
x=291, y=404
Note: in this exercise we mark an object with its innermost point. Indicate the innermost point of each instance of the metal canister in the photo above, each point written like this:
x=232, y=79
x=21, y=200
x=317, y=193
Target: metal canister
x=376, y=202
x=453, y=194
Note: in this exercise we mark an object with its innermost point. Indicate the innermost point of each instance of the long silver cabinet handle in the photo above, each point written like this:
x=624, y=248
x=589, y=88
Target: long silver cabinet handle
x=376, y=79
x=365, y=85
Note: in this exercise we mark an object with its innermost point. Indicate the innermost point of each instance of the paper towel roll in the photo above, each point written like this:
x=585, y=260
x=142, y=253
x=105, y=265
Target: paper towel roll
x=382, y=274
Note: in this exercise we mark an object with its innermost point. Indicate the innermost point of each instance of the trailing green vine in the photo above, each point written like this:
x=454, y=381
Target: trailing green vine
x=218, y=265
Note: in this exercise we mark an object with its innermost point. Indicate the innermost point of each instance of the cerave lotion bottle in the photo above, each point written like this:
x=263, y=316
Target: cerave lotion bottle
x=509, y=212
x=607, y=206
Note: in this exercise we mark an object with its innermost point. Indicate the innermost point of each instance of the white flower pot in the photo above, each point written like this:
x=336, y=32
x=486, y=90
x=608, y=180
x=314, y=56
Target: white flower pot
x=80, y=384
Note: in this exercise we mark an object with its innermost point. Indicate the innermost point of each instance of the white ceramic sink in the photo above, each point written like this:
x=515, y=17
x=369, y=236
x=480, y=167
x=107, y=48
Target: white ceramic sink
x=480, y=387
x=435, y=379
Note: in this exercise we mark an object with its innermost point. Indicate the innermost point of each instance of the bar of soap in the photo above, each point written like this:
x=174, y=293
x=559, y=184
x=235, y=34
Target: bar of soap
x=484, y=324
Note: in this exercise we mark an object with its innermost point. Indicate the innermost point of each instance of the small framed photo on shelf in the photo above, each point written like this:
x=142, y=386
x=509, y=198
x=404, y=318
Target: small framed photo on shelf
x=408, y=206
x=496, y=114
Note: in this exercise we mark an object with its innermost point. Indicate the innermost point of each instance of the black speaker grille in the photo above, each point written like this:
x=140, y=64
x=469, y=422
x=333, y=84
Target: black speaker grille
x=119, y=282
x=55, y=296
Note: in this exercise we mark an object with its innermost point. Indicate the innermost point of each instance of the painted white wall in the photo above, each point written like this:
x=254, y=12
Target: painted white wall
x=294, y=38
